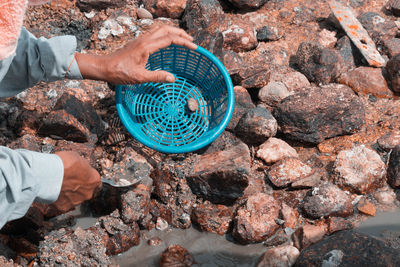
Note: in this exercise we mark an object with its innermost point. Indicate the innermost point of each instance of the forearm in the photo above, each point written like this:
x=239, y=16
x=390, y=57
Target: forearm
x=92, y=66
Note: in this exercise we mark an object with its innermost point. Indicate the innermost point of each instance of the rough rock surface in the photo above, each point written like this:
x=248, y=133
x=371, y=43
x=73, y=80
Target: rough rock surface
x=287, y=171
x=176, y=255
x=212, y=218
x=282, y=256
x=349, y=248
x=367, y=80
x=87, y=5
x=389, y=140
x=359, y=170
x=273, y=93
x=135, y=204
x=256, y=126
x=394, y=168
x=162, y=8
x=275, y=149
x=243, y=103
x=392, y=69
x=366, y=207
x=327, y=200
x=289, y=215
x=247, y=4
x=222, y=176
x=307, y=235
x=255, y=220
x=317, y=113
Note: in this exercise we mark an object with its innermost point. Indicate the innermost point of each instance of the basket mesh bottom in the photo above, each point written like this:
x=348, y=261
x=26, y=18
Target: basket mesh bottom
x=162, y=112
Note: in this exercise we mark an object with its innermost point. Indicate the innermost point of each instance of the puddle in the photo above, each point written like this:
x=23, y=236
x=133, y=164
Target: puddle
x=207, y=249
x=380, y=223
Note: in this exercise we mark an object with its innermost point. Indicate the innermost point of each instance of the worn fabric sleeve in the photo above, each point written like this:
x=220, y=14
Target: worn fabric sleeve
x=27, y=176
x=38, y=59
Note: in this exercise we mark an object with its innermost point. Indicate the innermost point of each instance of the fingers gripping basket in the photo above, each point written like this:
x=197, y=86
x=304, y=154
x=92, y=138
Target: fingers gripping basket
x=182, y=116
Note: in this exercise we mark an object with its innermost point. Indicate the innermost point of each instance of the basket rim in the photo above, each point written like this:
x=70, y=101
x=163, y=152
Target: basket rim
x=188, y=147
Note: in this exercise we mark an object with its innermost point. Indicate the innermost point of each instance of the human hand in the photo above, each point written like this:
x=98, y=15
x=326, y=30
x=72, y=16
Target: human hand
x=127, y=65
x=79, y=182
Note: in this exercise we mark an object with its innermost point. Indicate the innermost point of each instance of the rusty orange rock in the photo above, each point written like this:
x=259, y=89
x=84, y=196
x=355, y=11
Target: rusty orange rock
x=366, y=207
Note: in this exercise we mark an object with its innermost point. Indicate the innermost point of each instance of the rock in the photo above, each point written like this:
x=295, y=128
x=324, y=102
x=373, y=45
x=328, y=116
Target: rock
x=319, y=64
x=87, y=5
x=366, y=207
x=64, y=125
x=256, y=126
x=222, y=176
x=247, y=4
x=175, y=255
x=28, y=122
x=359, y=170
x=273, y=93
x=86, y=150
x=307, y=235
x=240, y=36
x=275, y=149
x=287, y=171
x=394, y=7
x=282, y=256
x=143, y=13
x=268, y=33
x=27, y=141
x=393, y=77
x=327, y=38
x=367, y=80
x=317, y=113
x=350, y=54
x=162, y=8
x=336, y=224
x=389, y=140
x=385, y=196
x=161, y=224
x=233, y=62
x=82, y=111
x=349, y=248
x=393, y=172
x=225, y=141
x=135, y=204
x=255, y=219
x=214, y=45
x=7, y=262
x=74, y=247
x=201, y=14
x=289, y=215
x=212, y=218
x=278, y=239
x=327, y=200
x=392, y=47
x=377, y=27
x=295, y=80
x=243, y=103
x=252, y=76
x=154, y=241
x=309, y=181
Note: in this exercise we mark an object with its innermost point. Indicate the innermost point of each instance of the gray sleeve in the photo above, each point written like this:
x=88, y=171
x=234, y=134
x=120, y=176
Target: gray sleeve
x=38, y=59
x=27, y=176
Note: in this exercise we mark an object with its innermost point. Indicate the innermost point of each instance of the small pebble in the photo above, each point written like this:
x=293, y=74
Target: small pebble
x=192, y=104
x=161, y=224
x=154, y=241
x=143, y=13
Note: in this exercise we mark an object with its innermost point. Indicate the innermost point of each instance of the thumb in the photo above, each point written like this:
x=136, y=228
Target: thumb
x=158, y=76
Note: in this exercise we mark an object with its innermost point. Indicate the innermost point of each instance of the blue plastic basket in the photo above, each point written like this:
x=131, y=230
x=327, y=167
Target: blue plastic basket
x=157, y=114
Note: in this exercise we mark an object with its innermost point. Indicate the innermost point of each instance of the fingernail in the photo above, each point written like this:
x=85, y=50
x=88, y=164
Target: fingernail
x=170, y=78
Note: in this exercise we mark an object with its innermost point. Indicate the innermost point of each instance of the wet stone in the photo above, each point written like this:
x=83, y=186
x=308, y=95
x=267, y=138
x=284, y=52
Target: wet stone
x=394, y=168
x=367, y=80
x=359, y=170
x=154, y=241
x=389, y=140
x=279, y=256
x=255, y=220
x=256, y=126
x=317, y=113
x=287, y=171
x=327, y=200
x=275, y=149
x=212, y=218
x=175, y=255
x=347, y=249
x=222, y=176
x=63, y=124
x=135, y=204
x=393, y=70
x=268, y=33
x=243, y=103
x=366, y=207
x=307, y=235
x=319, y=64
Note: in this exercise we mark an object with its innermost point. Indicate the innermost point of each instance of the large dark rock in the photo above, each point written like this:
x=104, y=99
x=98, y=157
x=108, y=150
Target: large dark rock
x=256, y=126
x=327, y=200
x=378, y=28
x=317, y=113
x=348, y=249
x=320, y=64
x=82, y=111
x=222, y=176
x=393, y=73
x=212, y=218
x=243, y=104
x=394, y=7
x=247, y=4
x=135, y=204
x=252, y=75
x=349, y=52
x=202, y=14
x=87, y=5
x=394, y=168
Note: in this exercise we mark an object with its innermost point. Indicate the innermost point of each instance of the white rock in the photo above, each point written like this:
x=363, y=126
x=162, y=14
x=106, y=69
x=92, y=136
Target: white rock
x=282, y=256
x=90, y=15
x=273, y=93
x=161, y=224
x=275, y=149
x=143, y=13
